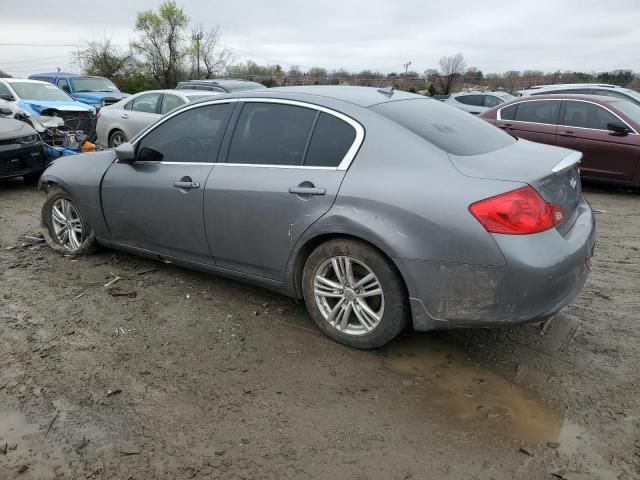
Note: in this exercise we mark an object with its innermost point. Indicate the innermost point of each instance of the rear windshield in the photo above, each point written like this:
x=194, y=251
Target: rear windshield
x=448, y=128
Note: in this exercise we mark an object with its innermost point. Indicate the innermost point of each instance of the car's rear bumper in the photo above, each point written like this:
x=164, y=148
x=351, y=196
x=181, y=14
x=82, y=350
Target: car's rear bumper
x=543, y=273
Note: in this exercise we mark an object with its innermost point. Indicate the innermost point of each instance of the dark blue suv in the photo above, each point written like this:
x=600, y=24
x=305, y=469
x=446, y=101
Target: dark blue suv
x=94, y=91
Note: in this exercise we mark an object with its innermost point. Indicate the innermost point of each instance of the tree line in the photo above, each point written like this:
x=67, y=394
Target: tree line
x=169, y=48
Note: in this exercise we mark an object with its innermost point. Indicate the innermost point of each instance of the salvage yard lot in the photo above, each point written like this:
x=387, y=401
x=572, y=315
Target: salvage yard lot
x=202, y=377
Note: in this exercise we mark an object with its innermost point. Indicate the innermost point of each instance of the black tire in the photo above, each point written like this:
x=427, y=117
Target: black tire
x=88, y=244
x=395, y=315
x=113, y=135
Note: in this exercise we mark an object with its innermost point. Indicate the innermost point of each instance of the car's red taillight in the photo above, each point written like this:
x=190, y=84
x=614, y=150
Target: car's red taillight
x=519, y=212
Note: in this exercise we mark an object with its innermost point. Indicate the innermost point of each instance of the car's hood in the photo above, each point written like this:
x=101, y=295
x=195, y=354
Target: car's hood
x=97, y=97
x=38, y=106
x=10, y=128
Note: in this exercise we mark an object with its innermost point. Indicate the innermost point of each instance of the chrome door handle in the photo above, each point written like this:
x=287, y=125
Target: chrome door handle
x=505, y=125
x=186, y=185
x=124, y=115
x=307, y=191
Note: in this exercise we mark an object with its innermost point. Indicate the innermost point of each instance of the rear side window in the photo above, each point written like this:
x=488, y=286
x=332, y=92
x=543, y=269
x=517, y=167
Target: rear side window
x=169, y=102
x=538, y=112
x=475, y=100
x=508, y=113
x=587, y=115
x=332, y=138
x=271, y=134
x=491, y=101
x=446, y=127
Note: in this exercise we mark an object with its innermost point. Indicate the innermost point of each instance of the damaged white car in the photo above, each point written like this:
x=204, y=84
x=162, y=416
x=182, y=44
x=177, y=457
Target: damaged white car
x=45, y=106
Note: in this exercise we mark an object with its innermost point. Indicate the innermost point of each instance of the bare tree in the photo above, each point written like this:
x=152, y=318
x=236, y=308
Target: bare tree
x=451, y=69
x=207, y=49
x=4, y=74
x=103, y=58
x=161, y=44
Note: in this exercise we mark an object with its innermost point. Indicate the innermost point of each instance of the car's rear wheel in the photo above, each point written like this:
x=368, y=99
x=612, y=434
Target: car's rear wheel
x=65, y=228
x=354, y=294
x=116, y=138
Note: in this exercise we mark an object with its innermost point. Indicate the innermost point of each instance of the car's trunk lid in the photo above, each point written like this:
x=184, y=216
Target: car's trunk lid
x=552, y=171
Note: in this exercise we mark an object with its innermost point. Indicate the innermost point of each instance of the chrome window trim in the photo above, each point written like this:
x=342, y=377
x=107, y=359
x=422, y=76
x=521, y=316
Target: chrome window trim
x=499, y=114
x=343, y=165
x=348, y=157
x=598, y=129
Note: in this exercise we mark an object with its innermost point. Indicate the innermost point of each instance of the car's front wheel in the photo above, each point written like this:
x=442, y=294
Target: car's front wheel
x=65, y=228
x=354, y=294
x=116, y=138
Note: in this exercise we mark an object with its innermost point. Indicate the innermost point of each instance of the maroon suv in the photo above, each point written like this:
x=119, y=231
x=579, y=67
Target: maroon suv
x=604, y=129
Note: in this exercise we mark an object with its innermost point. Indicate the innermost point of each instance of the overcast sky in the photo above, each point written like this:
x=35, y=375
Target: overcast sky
x=495, y=36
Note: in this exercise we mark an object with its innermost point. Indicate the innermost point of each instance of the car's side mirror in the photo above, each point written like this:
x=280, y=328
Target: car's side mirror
x=618, y=128
x=6, y=111
x=125, y=153
x=149, y=155
x=7, y=96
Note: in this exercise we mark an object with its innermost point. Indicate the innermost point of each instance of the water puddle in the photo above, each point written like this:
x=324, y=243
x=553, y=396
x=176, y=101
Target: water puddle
x=471, y=397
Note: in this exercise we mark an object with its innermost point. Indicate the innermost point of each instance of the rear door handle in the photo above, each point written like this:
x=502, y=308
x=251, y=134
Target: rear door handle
x=566, y=133
x=187, y=185
x=307, y=191
x=505, y=125
x=124, y=115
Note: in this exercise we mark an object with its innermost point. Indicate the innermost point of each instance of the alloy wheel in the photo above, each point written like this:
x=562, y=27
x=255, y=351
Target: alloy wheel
x=68, y=227
x=117, y=139
x=349, y=295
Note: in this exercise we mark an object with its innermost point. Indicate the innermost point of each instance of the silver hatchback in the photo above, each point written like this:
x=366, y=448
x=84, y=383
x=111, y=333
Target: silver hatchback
x=477, y=102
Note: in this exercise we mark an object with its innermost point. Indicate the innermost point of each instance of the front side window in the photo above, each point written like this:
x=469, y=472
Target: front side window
x=331, y=140
x=191, y=136
x=169, y=102
x=4, y=90
x=63, y=85
x=271, y=134
x=474, y=100
x=538, y=112
x=587, y=115
x=146, y=103
x=450, y=129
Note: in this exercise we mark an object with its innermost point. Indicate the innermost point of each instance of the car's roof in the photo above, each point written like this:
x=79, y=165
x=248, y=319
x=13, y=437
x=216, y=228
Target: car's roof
x=566, y=96
x=361, y=96
x=482, y=92
x=570, y=85
x=23, y=80
x=57, y=74
x=221, y=81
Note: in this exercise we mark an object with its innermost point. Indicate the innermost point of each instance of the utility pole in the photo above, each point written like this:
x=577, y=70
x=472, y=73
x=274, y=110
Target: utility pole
x=406, y=72
x=196, y=37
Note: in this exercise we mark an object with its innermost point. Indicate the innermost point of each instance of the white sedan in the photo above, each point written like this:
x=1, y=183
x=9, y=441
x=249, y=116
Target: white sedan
x=121, y=121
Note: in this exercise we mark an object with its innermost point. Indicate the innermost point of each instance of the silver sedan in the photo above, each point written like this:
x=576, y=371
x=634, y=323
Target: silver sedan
x=380, y=209
x=122, y=121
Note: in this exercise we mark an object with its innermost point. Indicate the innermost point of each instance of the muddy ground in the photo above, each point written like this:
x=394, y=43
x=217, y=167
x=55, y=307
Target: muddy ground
x=202, y=377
